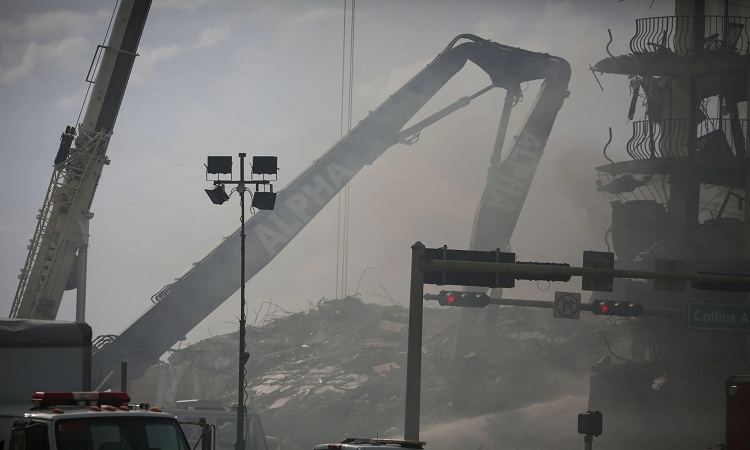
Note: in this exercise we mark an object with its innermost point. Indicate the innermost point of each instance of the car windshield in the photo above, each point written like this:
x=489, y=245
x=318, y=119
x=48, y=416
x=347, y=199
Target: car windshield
x=120, y=433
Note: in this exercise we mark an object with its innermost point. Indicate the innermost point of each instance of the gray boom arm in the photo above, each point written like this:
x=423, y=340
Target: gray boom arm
x=191, y=298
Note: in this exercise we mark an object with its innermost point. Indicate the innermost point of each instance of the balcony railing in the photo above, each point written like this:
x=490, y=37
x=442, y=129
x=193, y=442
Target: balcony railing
x=669, y=138
x=676, y=35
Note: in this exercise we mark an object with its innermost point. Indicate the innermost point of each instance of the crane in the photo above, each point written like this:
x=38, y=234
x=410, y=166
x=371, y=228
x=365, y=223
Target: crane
x=61, y=235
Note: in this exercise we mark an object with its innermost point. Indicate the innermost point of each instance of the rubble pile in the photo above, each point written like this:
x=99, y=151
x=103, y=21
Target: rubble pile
x=339, y=369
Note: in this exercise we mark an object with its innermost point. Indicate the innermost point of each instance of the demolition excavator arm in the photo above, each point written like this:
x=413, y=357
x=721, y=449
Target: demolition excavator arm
x=182, y=305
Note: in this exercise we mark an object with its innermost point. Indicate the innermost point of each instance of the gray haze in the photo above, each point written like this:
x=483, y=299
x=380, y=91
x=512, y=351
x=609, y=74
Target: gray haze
x=223, y=77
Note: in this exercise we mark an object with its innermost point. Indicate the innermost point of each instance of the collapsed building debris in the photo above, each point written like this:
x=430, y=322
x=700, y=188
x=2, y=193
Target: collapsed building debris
x=339, y=369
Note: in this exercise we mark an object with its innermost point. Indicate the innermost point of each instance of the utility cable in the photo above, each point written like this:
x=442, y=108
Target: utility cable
x=342, y=242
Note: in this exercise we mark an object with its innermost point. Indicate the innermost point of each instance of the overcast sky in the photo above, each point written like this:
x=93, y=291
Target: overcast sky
x=265, y=78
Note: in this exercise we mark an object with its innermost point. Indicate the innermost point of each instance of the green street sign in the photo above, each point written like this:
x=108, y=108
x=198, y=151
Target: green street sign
x=716, y=316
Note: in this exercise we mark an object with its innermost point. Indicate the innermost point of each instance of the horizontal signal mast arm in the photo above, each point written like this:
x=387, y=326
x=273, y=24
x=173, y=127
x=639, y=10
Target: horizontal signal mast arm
x=541, y=271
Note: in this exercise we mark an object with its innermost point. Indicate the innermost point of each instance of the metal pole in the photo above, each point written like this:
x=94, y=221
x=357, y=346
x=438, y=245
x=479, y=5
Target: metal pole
x=414, y=345
x=81, y=284
x=82, y=269
x=588, y=442
x=240, y=443
x=124, y=376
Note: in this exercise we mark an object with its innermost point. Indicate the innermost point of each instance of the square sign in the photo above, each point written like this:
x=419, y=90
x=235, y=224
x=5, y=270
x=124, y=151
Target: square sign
x=598, y=260
x=567, y=305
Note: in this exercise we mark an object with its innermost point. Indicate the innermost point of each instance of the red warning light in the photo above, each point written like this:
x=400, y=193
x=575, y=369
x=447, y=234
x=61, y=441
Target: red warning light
x=616, y=308
x=67, y=398
x=463, y=299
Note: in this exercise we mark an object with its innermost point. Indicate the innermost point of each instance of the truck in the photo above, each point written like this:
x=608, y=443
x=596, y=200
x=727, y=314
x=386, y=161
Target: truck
x=68, y=420
x=49, y=363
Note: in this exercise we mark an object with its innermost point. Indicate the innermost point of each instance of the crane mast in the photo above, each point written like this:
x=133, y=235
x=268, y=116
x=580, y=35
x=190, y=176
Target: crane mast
x=62, y=227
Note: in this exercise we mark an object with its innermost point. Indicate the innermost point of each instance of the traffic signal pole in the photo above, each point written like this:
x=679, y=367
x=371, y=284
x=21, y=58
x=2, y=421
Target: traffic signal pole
x=414, y=345
x=424, y=270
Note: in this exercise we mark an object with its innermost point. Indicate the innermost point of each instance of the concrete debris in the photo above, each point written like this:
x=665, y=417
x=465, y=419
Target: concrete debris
x=340, y=369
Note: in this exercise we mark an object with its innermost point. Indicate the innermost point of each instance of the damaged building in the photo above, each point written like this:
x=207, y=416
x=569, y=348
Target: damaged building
x=339, y=369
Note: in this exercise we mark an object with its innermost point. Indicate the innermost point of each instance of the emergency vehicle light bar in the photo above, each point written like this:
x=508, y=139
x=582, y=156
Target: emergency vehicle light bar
x=48, y=399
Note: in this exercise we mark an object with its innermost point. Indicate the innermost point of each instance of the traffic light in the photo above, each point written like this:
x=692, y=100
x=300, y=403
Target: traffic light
x=465, y=299
x=615, y=308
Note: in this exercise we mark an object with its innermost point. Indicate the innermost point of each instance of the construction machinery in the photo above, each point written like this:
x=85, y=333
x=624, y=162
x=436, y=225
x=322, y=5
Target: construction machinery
x=56, y=260
x=57, y=252
x=183, y=304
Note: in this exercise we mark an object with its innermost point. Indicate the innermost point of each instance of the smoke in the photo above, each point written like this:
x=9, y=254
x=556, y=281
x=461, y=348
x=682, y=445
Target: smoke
x=546, y=425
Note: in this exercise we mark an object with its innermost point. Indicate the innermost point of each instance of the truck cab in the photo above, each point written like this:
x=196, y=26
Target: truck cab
x=88, y=421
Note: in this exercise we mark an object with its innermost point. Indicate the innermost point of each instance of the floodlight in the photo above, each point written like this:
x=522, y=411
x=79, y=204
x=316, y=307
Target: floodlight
x=264, y=200
x=264, y=165
x=219, y=164
x=218, y=194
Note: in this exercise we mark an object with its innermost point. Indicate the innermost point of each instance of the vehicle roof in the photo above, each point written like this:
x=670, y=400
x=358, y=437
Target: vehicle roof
x=357, y=446
x=372, y=444
x=22, y=333
x=72, y=412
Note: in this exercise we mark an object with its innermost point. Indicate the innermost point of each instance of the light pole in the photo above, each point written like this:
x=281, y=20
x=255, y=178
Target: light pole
x=222, y=165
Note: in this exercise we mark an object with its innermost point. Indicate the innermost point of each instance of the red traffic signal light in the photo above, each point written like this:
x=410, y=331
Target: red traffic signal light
x=465, y=299
x=615, y=308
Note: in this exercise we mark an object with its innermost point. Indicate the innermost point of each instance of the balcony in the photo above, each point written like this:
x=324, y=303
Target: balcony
x=660, y=147
x=675, y=35
x=668, y=138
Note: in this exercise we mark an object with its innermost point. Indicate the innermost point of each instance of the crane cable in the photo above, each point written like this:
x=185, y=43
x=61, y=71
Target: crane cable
x=342, y=243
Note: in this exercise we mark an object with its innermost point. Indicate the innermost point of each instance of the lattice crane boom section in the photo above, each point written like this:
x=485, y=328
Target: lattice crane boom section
x=61, y=229
x=63, y=220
